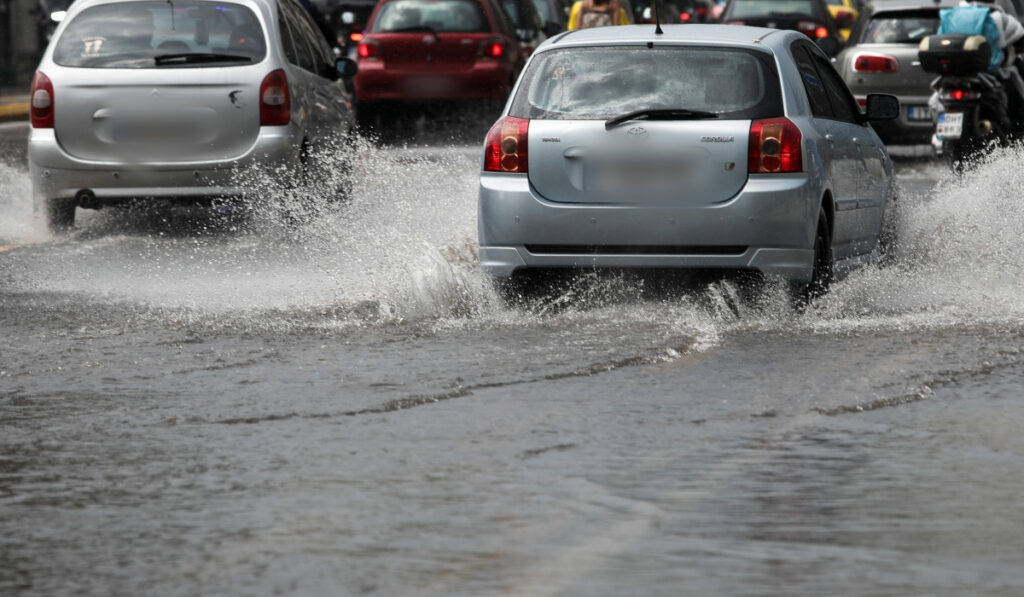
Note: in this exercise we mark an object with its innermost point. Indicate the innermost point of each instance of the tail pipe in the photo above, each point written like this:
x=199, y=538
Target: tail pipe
x=85, y=198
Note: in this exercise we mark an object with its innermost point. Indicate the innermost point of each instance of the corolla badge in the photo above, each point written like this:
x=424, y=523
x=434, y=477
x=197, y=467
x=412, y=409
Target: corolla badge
x=636, y=131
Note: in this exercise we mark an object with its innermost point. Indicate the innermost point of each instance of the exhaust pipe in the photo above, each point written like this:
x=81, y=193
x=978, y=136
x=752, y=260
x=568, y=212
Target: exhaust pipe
x=984, y=128
x=87, y=199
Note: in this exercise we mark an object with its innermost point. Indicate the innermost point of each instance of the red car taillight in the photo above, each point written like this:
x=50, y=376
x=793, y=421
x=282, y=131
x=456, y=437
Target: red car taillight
x=875, y=63
x=42, y=102
x=812, y=29
x=368, y=49
x=505, y=149
x=491, y=48
x=275, y=100
x=774, y=147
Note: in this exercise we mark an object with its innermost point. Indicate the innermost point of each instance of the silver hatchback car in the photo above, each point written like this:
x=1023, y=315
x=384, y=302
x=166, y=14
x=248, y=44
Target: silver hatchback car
x=168, y=99
x=702, y=147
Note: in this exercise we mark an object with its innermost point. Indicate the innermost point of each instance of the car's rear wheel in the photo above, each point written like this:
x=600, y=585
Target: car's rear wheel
x=59, y=214
x=823, y=270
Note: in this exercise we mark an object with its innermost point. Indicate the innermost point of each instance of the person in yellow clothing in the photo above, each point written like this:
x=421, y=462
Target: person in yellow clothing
x=596, y=13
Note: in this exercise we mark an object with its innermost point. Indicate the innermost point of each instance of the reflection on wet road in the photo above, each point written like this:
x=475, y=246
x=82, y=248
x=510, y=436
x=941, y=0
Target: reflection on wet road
x=233, y=404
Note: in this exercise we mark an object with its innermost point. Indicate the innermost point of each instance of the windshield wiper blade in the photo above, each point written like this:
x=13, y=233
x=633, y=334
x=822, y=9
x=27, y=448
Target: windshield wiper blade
x=417, y=29
x=194, y=57
x=669, y=114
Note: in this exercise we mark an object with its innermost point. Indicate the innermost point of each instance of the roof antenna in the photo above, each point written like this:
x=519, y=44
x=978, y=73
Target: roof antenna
x=657, y=19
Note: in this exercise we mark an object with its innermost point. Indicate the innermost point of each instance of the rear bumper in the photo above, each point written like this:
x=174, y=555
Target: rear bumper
x=58, y=175
x=485, y=80
x=768, y=226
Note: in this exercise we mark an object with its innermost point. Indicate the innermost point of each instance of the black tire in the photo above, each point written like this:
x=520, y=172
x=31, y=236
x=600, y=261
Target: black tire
x=823, y=271
x=59, y=214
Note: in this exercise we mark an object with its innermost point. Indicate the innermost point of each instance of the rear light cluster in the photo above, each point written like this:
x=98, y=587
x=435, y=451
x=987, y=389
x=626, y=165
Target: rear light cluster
x=491, y=48
x=368, y=49
x=875, y=63
x=42, y=102
x=812, y=29
x=505, y=149
x=774, y=147
x=959, y=95
x=275, y=100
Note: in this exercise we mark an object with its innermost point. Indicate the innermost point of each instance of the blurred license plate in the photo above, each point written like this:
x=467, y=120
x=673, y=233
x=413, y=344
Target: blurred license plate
x=950, y=125
x=634, y=177
x=919, y=113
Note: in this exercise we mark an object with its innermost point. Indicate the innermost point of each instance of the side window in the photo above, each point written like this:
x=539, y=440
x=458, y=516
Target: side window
x=843, y=105
x=319, y=50
x=813, y=84
x=303, y=53
x=286, y=39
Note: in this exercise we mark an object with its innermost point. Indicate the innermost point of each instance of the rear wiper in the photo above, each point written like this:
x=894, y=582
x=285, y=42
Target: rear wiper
x=417, y=29
x=198, y=57
x=670, y=114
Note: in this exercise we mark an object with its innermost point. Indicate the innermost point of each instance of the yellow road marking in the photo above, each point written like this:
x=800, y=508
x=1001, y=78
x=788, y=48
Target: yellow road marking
x=18, y=245
x=14, y=109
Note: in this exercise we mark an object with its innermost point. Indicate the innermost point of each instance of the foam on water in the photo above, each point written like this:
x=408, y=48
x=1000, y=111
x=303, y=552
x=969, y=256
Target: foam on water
x=403, y=249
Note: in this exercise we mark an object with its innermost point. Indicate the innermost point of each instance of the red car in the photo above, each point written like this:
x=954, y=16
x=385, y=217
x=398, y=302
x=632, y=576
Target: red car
x=424, y=50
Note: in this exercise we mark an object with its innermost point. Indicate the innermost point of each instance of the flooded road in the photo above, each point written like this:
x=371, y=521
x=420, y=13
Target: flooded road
x=196, y=403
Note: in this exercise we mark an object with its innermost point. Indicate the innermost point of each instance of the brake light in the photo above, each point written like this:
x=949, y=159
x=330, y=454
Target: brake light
x=505, y=149
x=875, y=63
x=821, y=32
x=684, y=16
x=275, y=100
x=774, y=146
x=356, y=37
x=960, y=95
x=491, y=49
x=42, y=102
x=368, y=49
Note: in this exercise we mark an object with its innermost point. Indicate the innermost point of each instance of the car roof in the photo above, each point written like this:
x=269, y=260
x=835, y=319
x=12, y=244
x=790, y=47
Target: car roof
x=896, y=5
x=722, y=35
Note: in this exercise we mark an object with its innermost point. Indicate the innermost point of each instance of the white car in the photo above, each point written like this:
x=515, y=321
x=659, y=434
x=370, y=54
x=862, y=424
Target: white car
x=140, y=99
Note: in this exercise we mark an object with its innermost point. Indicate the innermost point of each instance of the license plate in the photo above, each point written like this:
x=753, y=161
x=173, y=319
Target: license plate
x=633, y=177
x=950, y=125
x=919, y=113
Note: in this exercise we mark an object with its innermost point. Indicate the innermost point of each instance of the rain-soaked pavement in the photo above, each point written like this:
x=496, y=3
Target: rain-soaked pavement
x=211, y=404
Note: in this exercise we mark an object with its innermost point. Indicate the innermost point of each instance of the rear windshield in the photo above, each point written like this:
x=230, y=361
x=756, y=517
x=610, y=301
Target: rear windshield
x=602, y=82
x=748, y=9
x=439, y=16
x=135, y=34
x=900, y=27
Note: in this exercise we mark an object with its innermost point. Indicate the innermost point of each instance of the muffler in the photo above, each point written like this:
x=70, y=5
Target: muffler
x=984, y=128
x=87, y=199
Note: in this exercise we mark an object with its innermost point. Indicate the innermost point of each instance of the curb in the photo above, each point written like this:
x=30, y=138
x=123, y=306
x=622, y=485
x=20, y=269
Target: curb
x=14, y=110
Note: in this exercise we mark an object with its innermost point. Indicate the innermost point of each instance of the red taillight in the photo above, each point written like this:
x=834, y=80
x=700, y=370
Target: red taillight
x=685, y=16
x=812, y=29
x=862, y=102
x=505, y=149
x=491, y=48
x=774, y=147
x=42, y=102
x=701, y=11
x=821, y=32
x=275, y=100
x=368, y=49
x=875, y=63
x=356, y=37
x=496, y=50
x=958, y=94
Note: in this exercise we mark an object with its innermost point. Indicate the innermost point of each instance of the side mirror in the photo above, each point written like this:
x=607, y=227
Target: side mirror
x=882, y=106
x=346, y=67
x=829, y=45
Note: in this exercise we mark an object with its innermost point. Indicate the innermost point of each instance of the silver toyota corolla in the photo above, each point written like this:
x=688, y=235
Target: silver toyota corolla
x=704, y=146
x=143, y=99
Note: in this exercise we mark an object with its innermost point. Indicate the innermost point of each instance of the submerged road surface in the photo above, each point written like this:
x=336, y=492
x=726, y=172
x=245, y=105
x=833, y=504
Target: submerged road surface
x=223, y=404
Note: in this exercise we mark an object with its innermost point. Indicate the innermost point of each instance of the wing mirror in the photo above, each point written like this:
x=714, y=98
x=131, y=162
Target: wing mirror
x=829, y=45
x=346, y=67
x=882, y=106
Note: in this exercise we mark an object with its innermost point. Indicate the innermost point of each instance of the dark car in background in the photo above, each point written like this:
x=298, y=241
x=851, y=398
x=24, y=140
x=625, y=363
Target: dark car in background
x=882, y=58
x=810, y=17
x=430, y=50
x=554, y=14
x=530, y=28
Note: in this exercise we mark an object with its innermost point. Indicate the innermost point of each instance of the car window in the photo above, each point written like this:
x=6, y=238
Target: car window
x=320, y=51
x=900, y=27
x=843, y=105
x=291, y=52
x=451, y=16
x=745, y=9
x=132, y=35
x=813, y=85
x=304, y=56
x=601, y=82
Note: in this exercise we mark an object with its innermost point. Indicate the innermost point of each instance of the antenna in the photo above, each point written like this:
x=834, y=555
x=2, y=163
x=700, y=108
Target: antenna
x=657, y=19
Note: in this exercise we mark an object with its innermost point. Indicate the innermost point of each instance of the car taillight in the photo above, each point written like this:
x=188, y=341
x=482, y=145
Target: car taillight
x=960, y=95
x=356, y=37
x=685, y=17
x=505, y=149
x=275, y=100
x=875, y=63
x=821, y=32
x=774, y=147
x=812, y=29
x=368, y=49
x=491, y=48
x=42, y=102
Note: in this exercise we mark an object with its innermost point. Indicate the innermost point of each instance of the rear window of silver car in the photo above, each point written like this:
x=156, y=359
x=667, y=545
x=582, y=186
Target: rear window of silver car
x=144, y=34
x=748, y=9
x=439, y=16
x=601, y=82
x=903, y=27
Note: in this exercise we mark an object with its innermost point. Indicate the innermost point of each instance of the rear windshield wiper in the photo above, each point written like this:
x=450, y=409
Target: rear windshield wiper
x=671, y=114
x=417, y=29
x=198, y=57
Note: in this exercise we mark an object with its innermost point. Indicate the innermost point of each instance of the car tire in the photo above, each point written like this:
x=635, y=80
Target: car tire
x=59, y=214
x=823, y=270
x=366, y=117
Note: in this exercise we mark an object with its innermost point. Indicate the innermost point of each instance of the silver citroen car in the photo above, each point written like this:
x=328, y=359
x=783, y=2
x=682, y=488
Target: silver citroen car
x=170, y=99
x=699, y=147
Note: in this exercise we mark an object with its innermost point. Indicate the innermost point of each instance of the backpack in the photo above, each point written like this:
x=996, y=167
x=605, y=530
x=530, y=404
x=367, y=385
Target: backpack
x=973, y=20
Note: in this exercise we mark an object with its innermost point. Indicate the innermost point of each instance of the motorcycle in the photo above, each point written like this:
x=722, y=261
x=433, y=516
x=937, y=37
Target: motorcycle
x=970, y=103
